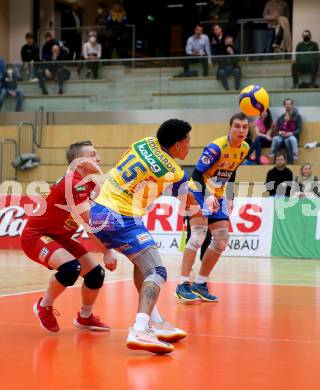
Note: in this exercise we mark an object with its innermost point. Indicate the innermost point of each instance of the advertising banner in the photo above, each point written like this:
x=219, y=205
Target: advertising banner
x=250, y=227
x=296, y=231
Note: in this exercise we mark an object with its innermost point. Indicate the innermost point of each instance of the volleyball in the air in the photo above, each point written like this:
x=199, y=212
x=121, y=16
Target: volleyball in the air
x=253, y=100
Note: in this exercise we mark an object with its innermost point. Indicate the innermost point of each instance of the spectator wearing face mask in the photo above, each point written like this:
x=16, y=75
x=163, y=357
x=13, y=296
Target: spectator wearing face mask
x=92, y=53
x=9, y=87
x=306, y=63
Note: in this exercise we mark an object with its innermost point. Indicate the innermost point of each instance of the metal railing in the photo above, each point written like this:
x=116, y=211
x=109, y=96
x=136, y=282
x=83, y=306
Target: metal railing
x=38, y=124
x=31, y=134
x=8, y=152
x=27, y=136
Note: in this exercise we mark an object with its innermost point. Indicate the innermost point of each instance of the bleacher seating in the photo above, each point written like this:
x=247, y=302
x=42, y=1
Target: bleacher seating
x=129, y=88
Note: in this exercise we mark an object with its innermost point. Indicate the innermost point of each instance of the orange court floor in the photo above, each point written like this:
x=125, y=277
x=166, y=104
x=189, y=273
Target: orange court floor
x=263, y=334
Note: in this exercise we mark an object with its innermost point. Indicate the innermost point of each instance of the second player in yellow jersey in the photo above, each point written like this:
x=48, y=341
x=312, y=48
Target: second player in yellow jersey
x=216, y=167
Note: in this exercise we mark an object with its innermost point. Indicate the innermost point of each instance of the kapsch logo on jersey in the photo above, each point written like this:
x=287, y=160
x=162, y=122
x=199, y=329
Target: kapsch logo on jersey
x=223, y=174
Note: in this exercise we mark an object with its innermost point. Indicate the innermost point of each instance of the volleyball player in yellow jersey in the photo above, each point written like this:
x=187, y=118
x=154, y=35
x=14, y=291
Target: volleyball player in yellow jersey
x=145, y=171
x=217, y=165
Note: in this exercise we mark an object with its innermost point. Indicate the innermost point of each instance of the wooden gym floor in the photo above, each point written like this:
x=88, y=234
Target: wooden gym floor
x=263, y=334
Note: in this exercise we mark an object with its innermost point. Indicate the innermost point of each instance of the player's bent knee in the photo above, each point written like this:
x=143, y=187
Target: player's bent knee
x=158, y=275
x=68, y=273
x=94, y=279
x=150, y=265
x=197, y=237
x=220, y=239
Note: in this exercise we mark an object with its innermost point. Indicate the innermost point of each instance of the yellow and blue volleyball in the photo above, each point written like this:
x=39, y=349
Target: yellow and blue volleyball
x=253, y=100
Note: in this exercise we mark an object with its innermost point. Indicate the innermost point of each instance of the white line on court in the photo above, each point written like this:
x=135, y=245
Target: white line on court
x=36, y=291
x=214, y=336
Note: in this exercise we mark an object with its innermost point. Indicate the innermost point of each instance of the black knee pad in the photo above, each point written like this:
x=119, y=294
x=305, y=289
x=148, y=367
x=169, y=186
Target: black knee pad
x=94, y=278
x=68, y=273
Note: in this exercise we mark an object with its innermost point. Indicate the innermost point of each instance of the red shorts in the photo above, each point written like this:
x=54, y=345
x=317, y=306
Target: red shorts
x=39, y=247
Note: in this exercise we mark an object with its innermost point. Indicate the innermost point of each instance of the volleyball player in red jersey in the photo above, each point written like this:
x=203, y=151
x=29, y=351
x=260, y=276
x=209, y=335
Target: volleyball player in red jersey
x=47, y=239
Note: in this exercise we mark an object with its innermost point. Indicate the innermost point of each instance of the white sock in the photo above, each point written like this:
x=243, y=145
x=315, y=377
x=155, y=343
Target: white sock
x=201, y=279
x=155, y=315
x=86, y=311
x=184, y=279
x=142, y=321
x=47, y=300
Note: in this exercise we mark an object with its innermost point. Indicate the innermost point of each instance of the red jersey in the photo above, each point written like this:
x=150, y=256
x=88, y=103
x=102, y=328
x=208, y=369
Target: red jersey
x=57, y=219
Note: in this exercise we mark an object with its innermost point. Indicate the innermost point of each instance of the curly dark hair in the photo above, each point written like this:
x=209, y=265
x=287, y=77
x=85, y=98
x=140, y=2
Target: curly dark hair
x=172, y=131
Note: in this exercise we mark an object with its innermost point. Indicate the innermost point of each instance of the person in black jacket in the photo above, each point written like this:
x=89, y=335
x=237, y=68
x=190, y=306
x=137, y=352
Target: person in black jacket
x=72, y=21
x=54, y=69
x=217, y=41
x=46, y=53
x=279, y=179
x=229, y=65
x=29, y=54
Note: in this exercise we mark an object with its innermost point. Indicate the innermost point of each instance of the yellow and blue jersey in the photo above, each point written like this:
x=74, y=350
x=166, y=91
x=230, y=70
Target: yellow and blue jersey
x=144, y=172
x=217, y=163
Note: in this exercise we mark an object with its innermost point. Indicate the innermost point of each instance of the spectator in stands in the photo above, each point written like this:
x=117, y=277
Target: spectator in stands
x=218, y=10
x=307, y=182
x=2, y=67
x=54, y=69
x=263, y=128
x=228, y=65
x=306, y=63
x=29, y=54
x=287, y=131
x=282, y=38
x=92, y=54
x=101, y=23
x=116, y=31
x=279, y=179
x=271, y=13
x=72, y=35
x=9, y=87
x=217, y=41
x=198, y=50
x=46, y=53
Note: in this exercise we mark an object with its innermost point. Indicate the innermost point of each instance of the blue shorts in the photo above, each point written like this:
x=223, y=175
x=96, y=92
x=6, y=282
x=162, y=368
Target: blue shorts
x=220, y=215
x=127, y=234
